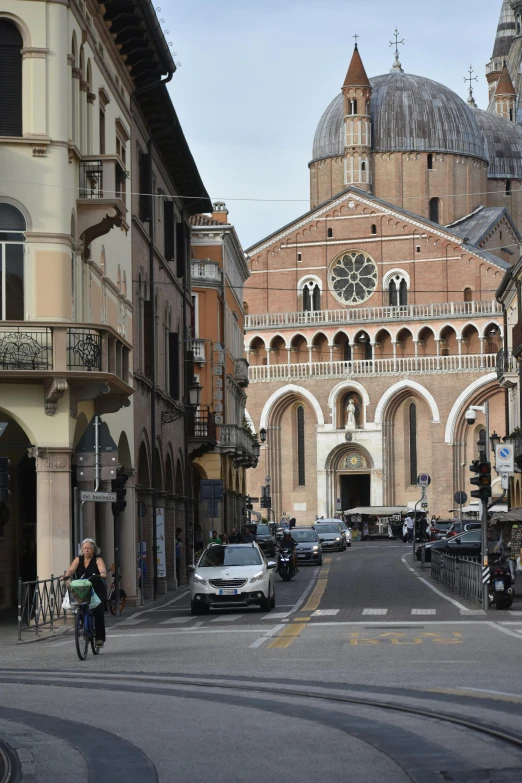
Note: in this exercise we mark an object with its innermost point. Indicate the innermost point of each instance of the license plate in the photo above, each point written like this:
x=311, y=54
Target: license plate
x=227, y=592
x=499, y=585
x=301, y=555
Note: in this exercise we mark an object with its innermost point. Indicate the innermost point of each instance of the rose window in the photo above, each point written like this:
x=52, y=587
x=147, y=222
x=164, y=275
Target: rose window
x=353, y=277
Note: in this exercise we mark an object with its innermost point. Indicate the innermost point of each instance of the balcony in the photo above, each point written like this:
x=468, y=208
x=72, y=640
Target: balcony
x=373, y=367
x=241, y=372
x=202, y=429
x=356, y=315
x=198, y=349
x=507, y=369
x=206, y=273
x=91, y=362
x=102, y=196
x=240, y=443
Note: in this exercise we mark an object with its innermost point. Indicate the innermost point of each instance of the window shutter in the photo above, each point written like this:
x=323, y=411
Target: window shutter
x=174, y=365
x=145, y=187
x=182, y=248
x=168, y=229
x=11, y=80
x=147, y=317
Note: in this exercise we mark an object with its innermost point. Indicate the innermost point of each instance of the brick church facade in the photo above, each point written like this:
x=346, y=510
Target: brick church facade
x=372, y=322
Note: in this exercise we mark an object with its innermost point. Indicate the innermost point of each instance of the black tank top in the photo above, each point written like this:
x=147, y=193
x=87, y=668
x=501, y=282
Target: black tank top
x=85, y=571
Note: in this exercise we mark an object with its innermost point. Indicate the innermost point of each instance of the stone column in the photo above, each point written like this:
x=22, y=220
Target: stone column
x=170, y=527
x=53, y=498
x=128, y=542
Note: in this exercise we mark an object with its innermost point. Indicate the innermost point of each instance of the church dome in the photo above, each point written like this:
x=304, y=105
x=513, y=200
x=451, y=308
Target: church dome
x=409, y=114
x=503, y=143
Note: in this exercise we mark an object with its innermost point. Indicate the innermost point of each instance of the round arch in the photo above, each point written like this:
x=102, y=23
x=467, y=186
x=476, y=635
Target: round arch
x=143, y=466
x=401, y=386
x=462, y=401
x=338, y=452
x=124, y=452
x=338, y=390
x=20, y=26
x=23, y=426
x=290, y=388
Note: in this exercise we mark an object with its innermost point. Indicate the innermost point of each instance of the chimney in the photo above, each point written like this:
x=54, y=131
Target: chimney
x=220, y=212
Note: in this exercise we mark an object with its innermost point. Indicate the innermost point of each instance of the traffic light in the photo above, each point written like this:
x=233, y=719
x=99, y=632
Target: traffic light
x=5, y=464
x=249, y=504
x=482, y=480
x=118, y=486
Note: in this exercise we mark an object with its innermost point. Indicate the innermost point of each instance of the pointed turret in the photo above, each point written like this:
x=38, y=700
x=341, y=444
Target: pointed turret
x=357, y=92
x=505, y=96
x=506, y=31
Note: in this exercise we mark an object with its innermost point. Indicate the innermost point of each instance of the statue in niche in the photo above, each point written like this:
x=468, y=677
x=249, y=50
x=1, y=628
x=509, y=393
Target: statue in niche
x=350, y=415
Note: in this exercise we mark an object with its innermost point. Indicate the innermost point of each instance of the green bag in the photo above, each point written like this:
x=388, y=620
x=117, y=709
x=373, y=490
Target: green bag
x=81, y=588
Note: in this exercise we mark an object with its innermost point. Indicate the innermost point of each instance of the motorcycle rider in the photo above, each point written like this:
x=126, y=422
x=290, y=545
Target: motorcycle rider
x=287, y=542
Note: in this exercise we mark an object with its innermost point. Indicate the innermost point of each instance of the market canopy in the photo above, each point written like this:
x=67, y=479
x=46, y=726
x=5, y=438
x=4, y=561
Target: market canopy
x=515, y=515
x=379, y=511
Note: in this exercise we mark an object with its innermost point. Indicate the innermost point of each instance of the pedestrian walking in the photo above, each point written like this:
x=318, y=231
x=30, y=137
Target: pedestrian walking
x=214, y=538
x=179, y=554
x=224, y=538
x=234, y=537
x=410, y=525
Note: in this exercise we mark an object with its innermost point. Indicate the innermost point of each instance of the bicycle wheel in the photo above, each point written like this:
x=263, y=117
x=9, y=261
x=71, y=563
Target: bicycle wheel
x=80, y=634
x=112, y=601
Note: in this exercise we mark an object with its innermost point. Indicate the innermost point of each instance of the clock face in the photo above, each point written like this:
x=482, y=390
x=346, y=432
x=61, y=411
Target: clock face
x=354, y=461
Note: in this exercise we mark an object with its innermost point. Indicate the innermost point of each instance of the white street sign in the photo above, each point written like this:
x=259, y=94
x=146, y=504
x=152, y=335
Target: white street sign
x=424, y=480
x=98, y=497
x=505, y=458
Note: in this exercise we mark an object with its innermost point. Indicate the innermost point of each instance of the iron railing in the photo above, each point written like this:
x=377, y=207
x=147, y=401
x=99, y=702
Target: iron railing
x=458, y=573
x=84, y=349
x=21, y=349
x=40, y=605
x=91, y=179
x=505, y=363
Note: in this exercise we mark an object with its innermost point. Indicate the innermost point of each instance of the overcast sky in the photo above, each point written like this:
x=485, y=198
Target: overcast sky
x=256, y=76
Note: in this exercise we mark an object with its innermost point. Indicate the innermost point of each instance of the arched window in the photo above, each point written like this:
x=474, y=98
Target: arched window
x=403, y=293
x=301, y=471
x=508, y=187
x=468, y=295
x=11, y=82
x=12, y=238
x=347, y=352
x=363, y=166
x=330, y=233
x=307, y=301
x=398, y=291
x=392, y=293
x=311, y=296
x=316, y=298
x=413, y=442
x=434, y=210
x=373, y=229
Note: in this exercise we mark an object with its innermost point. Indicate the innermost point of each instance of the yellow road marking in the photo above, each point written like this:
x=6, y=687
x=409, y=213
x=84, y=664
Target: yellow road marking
x=315, y=598
x=288, y=636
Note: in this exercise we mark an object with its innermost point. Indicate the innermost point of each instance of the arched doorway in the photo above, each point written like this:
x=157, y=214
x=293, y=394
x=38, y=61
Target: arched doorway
x=348, y=471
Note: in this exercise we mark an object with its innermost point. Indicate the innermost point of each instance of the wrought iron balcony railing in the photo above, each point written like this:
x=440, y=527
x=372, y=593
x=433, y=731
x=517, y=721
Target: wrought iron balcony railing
x=507, y=368
x=26, y=349
x=102, y=178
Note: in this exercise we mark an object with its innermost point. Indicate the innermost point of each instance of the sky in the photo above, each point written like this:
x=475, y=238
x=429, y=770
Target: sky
x=256, y=75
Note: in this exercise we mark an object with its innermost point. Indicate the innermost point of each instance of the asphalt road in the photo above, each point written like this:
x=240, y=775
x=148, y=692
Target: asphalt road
x=366, y=669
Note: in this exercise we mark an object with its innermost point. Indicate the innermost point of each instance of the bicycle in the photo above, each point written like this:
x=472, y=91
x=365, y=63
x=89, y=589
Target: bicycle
x=84, y=629
x=111, y=599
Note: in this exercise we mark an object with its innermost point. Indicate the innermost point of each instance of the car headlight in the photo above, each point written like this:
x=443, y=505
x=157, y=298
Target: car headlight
x=198, y=580
x=258, y=577
x=338, y=539
x=315, y=549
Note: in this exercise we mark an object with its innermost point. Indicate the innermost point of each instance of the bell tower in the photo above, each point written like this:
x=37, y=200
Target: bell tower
x=357, y=93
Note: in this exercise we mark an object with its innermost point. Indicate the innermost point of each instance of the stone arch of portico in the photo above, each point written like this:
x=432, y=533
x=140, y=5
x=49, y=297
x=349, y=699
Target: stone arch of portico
x=23, y=426
x=332, y=471
x=341, y=388
x=413, y=386
x=290, y=388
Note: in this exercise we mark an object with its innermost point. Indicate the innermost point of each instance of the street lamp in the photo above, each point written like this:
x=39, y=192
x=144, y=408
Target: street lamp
x=195, y=394
x=194, y=401
x=256, y=449
x=262, y=435
x=495, y=440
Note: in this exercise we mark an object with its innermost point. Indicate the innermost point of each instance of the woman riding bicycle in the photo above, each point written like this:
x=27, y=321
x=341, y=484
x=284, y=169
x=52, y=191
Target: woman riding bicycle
x=89, y=564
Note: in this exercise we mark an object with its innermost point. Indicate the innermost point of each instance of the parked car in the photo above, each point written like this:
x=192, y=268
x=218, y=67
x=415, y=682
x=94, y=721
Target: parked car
x=266, y=539
x=309, y=549
x=464, y=544
x=232, y=574
x=462, y=527
x=440, y=529
x=330, y=535
x=347, y=531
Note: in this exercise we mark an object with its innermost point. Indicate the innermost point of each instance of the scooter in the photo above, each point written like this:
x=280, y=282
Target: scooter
x=501, y=590
x=286, y=567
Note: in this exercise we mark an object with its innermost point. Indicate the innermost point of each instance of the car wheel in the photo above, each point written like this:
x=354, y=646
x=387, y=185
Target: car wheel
x=273, y=600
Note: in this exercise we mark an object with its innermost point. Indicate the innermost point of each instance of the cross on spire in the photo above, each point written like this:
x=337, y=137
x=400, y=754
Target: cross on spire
x=471, y=79
x=397, y=65
x=356, y=39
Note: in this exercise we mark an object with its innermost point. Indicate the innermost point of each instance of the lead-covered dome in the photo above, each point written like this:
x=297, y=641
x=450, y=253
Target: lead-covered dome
x=409, y=114
x=503, y=145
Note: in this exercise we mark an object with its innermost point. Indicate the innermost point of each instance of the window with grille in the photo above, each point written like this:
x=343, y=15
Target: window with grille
x=413, y=443
x=301, y=471
x=11, y=81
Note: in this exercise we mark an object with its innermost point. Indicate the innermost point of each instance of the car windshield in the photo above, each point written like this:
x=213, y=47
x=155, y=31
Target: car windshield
x=263, y=530
x=304, y=535
x=216, y=556
x=327, y=528
x=343, y=525
x=443, y=525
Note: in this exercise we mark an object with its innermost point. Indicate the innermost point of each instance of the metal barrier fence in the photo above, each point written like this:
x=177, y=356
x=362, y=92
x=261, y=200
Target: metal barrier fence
x=458, y=573
x=40, y=605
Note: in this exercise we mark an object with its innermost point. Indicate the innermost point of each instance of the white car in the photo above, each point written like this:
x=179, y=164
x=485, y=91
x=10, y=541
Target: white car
x=347, y=531
x=232, y=574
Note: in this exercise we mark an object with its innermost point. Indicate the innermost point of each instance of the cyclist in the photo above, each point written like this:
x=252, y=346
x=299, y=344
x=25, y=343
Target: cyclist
x=87, y=565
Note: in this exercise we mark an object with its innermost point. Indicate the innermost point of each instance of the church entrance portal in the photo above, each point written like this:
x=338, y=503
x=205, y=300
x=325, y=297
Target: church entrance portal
x=355, y=490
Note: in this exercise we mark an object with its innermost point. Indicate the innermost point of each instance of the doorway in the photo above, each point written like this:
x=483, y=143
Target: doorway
x=355, y=490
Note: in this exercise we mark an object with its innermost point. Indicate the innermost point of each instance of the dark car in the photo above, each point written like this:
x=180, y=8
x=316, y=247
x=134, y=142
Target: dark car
x=440, y=529
x=308, y=549
x=464, y=545
x=265, y=538
x=462, y=527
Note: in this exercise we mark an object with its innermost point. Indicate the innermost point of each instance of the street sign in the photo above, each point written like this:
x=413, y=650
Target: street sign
x=460, y=498
x=98, y=497
x=424, y=480
x=3, y=425
x=505, y=458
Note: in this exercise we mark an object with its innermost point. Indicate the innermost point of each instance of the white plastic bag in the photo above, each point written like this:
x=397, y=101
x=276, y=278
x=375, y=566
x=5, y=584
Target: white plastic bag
x=66, y=603
x=95, y=601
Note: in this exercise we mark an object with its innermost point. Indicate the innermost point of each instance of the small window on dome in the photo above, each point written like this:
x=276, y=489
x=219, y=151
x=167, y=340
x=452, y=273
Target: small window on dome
x=430, y=161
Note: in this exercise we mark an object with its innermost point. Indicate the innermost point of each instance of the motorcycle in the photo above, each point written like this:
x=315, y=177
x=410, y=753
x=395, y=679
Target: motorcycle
x=286, y=568
x=501, y=590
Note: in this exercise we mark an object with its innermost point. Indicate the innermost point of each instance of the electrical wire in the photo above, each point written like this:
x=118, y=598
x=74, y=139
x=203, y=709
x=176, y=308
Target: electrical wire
x=277, y=288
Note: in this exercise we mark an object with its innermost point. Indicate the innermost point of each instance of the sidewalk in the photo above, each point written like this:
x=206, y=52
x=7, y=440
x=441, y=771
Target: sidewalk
x=9, y=622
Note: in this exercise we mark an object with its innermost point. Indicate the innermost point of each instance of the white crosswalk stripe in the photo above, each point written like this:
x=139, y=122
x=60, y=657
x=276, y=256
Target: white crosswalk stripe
x=176, y=621
x=424, y=611
x=325, y=612
x=275, y=616
x=226, y=618
x=375, y=611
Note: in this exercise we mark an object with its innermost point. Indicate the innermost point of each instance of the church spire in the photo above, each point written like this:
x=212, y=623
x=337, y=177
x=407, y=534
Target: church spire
x=505, y=96
x=506, y=32
x=356, y=75
x=357, y=92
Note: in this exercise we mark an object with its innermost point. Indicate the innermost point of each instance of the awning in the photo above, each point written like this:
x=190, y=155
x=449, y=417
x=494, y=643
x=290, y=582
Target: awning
x=514, y=515
x=475, y=507
x=379, y=511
